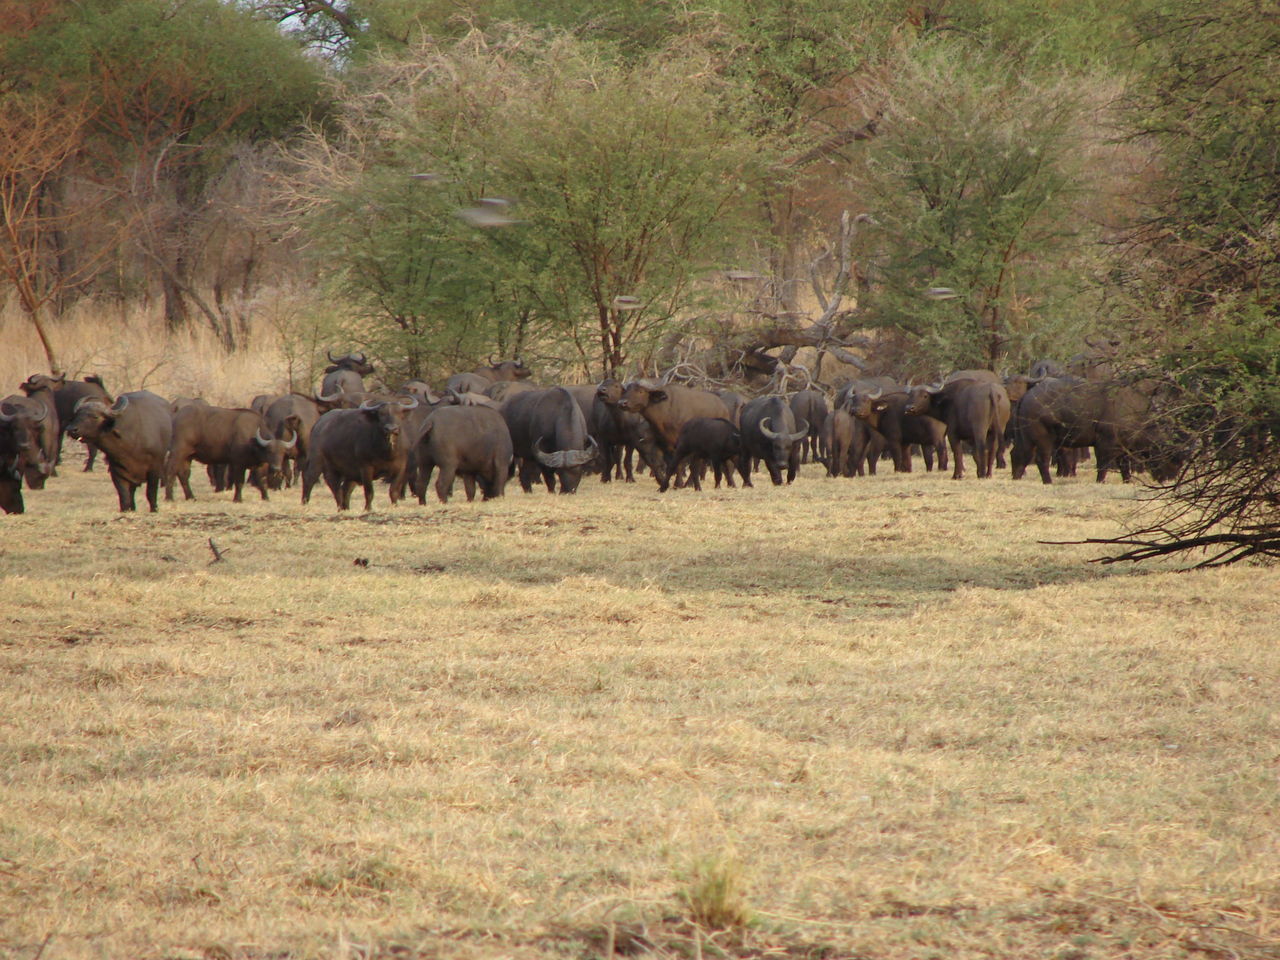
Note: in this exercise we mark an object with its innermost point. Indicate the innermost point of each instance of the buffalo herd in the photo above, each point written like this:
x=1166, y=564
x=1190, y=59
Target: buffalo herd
x=491, y=424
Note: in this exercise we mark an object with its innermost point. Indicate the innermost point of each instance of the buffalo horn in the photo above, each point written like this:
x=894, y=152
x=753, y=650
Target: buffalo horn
x=331, y=398
x=332, y=358
x=262, y=441
x=357, y=357
x=121, y=402
x=564, y=459
x=6, y=417
x=877, y=395
x=768, y=431
x=802, y=432
x=372, y=404
x=293, y=438
x=409, y=402
x=44, y=412
x=553, y=460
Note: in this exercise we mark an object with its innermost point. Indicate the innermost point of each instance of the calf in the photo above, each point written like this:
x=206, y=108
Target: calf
x=707, y=440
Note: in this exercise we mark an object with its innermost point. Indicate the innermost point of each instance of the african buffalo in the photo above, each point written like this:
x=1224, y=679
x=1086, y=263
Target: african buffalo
x=885, y=414
x=811, y=406
x=66, y=394
x=479, y=379
x=472, y=442
x=629, y=432
x=549, y=436
x=770, y=432
x=35, y=414
x=135, y=433
x=291, y=414
x=20, y=452
x=358, y=446
x=734, y=401
x=707, y=440
x=236, y=437
x=853, y=448
x=666, y=408
x=345, y=374
x=40, y=389
x=974, y=410
x=1119, y=420
x=501, y=389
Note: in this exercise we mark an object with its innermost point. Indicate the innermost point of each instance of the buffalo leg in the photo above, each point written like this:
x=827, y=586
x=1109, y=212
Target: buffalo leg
x=257, y=476
x=444, y=484
x=124, y=493
x=153, y=491
x=469, y=486
x=529, y=471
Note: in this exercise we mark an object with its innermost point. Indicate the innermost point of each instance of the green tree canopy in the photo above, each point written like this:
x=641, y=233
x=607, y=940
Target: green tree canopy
x=971, y=182
x=623, y=182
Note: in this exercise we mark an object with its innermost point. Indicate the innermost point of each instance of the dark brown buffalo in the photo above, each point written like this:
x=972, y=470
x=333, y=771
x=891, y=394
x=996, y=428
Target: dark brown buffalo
x=135, y=433
x=234, y=436
x=667, y=408
x=419, y=388
x=974, y=411
x=854, y=447
x=1119, y=420
x=358, y=446
x=35, y=414
x=771, y=434
x=501, y=389
x=40, y=389
x=811, y=407
x=734, y=401
x=291, y=414
x=66, y=394
x=885, y=414
x=549, y=436
x=479, y=379
x=20, y=452
x=345, y=374
x=471, y=442
x=707, y=440
x=343, y=399
x=620, y=433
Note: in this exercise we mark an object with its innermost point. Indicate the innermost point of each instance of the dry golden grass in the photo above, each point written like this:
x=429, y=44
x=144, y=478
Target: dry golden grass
x=129, y=347
x=847, y=718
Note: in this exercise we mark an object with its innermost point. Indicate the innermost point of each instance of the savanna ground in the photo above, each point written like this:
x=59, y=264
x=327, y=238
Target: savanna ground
x=849, y=718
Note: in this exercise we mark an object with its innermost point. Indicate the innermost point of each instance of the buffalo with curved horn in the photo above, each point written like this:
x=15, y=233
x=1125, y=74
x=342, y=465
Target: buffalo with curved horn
x=770, y=433
x=554, y=418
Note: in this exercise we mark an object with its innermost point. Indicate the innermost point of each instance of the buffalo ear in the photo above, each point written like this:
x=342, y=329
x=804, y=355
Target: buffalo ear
x=657, y=396
x=880, y=405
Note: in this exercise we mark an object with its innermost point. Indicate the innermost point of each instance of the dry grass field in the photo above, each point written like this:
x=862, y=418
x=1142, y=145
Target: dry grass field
x=849, y=718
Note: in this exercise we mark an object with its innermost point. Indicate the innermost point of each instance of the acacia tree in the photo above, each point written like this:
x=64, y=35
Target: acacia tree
x=971, y=182
x=168, y=92
x=1203, y=275
x=593, y=193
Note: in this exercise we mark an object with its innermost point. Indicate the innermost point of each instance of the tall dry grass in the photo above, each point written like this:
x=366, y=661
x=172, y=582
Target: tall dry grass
x=868, y=718
x=130, y=347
